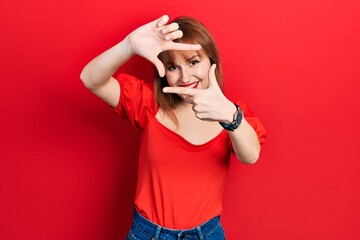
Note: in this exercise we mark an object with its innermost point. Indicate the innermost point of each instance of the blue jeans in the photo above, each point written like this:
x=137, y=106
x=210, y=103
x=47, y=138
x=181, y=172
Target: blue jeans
x=143, y=229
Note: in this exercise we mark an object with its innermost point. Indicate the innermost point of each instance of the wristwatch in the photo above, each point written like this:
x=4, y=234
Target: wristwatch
x=238, y=116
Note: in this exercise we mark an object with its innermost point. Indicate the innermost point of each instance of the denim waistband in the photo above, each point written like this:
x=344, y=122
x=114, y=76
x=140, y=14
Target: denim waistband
x=143, y=224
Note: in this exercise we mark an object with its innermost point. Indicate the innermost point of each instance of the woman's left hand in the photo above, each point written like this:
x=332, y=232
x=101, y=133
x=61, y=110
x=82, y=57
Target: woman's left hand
x=208, y=104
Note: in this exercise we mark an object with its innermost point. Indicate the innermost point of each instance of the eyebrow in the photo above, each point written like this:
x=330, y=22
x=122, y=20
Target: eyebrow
x=194, y=56
x=171, y=62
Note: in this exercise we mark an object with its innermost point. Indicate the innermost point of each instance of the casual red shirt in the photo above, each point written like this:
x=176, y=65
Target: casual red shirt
x=180, y=185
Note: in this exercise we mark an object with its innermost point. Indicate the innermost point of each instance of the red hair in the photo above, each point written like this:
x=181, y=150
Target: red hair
x=194, y=32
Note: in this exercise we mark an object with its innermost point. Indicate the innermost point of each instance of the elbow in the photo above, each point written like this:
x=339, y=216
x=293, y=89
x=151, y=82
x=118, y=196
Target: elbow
x=250, y=158
x=84, y=77
x=252, y=155
x=254, y=159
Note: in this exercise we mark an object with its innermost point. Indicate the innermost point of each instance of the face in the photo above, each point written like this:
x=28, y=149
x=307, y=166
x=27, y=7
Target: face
x=188, y=69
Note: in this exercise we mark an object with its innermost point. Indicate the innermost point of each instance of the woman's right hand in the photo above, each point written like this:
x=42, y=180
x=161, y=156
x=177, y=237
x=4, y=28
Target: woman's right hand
x=155, y=37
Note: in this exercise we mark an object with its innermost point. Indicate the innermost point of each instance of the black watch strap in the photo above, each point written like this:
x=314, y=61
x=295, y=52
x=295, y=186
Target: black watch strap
x=238, y=116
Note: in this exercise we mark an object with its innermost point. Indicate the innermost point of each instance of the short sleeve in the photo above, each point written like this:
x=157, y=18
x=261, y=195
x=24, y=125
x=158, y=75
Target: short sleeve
x=253, y=121
x=137, y=101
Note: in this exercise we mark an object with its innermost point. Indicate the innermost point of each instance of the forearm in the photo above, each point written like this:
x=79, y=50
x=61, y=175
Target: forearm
x=245, y=143
x=100, y=69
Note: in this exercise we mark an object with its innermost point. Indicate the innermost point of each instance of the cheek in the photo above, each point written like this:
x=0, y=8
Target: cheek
x=204, y=69
x=203, y=73
x=171, y=79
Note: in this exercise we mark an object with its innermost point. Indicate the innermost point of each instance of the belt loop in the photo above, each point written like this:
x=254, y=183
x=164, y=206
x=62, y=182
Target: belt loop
x=157, y=232
x=200, y=233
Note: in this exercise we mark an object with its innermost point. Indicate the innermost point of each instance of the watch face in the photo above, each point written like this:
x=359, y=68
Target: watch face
x=238, y=117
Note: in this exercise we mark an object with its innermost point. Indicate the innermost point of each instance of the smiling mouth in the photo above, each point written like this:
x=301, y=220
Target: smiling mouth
x=191, y=85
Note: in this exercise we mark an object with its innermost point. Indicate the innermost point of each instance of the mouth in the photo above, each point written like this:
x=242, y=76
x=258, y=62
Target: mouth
x=191, y=85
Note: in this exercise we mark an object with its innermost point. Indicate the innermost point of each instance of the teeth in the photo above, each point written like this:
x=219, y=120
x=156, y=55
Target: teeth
x=192, y=85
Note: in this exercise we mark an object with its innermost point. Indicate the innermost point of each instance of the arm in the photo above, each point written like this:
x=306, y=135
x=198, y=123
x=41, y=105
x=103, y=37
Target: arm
x=97, y=74
x=245, y=142
x=211, y=105
x=147, y=41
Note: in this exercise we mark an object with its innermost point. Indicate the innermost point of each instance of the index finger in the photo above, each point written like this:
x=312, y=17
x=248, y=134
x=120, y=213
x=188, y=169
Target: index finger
x=162, y=20
x=181, y=90
x=185, y=47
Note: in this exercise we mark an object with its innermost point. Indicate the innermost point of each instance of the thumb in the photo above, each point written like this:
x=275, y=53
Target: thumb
x=212, y=77
x=159, y=66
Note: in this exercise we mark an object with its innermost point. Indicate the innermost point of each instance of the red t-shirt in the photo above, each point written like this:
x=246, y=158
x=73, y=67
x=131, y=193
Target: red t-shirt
x=180, y=185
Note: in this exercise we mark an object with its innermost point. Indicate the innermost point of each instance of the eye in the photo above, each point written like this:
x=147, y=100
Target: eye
x=194, y=62
x=172, y=68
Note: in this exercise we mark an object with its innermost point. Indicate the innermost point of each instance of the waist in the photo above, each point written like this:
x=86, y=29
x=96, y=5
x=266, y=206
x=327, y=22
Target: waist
x=155, y=231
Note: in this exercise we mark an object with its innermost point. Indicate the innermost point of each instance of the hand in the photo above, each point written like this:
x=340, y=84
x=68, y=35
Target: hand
x=155, y=37
x=208, y=104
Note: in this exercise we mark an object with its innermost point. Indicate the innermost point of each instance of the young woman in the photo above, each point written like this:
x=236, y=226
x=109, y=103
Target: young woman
x=188, y=127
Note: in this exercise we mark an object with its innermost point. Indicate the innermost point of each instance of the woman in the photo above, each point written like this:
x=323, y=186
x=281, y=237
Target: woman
x=184, y=153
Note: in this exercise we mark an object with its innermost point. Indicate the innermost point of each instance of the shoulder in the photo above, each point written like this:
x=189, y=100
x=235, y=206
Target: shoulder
x=253, y=120
x=131, y=84
x=137, y=100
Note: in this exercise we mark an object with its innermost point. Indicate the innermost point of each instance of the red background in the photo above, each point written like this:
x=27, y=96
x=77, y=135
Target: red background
x=68, y=163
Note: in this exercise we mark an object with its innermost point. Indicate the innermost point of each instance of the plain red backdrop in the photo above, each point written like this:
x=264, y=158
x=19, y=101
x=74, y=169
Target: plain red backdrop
x=68, y=163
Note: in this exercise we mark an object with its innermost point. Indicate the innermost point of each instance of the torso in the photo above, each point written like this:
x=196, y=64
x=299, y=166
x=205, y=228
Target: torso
x=191, y=128
x=181, y=171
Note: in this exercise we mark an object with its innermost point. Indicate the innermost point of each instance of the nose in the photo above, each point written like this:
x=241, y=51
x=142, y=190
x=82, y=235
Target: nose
x=185, y=75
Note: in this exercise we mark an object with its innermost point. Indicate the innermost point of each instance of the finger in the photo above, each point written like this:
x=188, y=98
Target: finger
x=185, y=47
x=199, y=116
x=170, y=28
x=180, y=90
x=174, y=35
x=159, y=66
x=187, y=98
x=162, y=20
x=212, y=76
